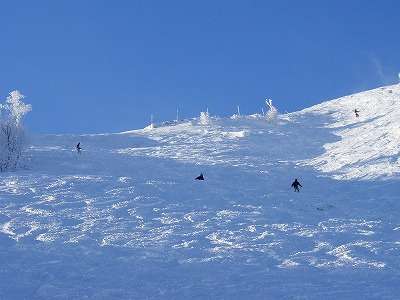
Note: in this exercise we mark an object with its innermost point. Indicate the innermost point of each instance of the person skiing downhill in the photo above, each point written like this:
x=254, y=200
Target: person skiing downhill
x=78, y=148
x=356, y=112
x=296, y=185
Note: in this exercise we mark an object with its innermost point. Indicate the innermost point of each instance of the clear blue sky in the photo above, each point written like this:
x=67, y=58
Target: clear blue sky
x=105, y=66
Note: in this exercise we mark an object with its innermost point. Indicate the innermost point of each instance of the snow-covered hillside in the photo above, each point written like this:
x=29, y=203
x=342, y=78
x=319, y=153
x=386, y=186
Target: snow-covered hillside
x=367, y=147
x=126, y=220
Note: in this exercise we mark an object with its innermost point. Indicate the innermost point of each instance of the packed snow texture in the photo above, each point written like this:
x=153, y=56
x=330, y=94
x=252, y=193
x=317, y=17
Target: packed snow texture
x=125, y=219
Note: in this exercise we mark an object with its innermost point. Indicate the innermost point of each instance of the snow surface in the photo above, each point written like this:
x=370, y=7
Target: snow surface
x=126, y=220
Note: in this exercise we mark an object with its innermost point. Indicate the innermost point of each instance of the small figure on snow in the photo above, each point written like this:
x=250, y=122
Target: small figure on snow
x=78, y=148
x=356, y=112
x=296, y=185
x=200, y=177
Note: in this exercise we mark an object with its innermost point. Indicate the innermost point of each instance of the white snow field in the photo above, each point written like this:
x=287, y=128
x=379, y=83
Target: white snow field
x=126, y=219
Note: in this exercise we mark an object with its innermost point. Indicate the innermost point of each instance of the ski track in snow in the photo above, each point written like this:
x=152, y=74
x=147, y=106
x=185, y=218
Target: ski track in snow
x=125, y=219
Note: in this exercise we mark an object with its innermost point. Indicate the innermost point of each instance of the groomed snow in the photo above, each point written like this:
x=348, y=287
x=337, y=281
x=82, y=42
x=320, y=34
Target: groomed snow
x=126, y=220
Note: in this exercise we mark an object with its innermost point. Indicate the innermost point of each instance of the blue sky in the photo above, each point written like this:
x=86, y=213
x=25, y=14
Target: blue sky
x=105, y=66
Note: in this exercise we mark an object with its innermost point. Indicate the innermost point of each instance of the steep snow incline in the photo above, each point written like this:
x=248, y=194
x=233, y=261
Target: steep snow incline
x=126, y=220
x=369, y=146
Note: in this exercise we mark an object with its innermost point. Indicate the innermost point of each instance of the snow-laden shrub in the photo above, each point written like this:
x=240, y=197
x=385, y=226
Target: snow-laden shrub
x=12, y=135
x=272, y=113
x=152, y=125
x=237, y=115
x=205, y=118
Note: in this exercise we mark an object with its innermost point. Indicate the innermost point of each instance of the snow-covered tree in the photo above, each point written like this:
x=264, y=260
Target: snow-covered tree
x=151, y=126
x=12, y=135
x=237, y=115
x=205, y=118
x=272, y=113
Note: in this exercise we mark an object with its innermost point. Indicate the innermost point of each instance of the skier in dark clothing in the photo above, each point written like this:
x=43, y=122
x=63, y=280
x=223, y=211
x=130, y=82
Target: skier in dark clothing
x=296, y=185
x=200, y=177
x=78, y=148
x=356, y=112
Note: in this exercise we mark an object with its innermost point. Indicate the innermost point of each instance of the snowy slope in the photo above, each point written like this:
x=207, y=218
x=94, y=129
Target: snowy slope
x=126, y=220
x=368, y=147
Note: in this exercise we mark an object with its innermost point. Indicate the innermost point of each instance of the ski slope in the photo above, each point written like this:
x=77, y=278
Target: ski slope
x=126, y=220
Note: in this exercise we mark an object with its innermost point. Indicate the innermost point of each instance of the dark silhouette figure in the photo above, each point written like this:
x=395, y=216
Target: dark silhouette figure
x=200, y=177
x=296, y=185
x=356, y=112
x=78, y=148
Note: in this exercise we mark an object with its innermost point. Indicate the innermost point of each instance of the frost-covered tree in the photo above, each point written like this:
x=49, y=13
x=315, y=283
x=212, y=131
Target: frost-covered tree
x=151, y=126
x=12, y=135
x=237, y=115
x=205, y=118
x=272, y=113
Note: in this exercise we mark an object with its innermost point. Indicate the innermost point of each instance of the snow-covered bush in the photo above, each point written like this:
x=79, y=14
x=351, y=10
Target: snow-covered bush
x=272, y=113
x=237, y=115
x=205, y=118
x=12, y=135
x=152, y=125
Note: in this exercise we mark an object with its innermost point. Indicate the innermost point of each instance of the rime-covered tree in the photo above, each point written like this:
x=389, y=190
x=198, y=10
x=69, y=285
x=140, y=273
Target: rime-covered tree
x=12, y=135
x=205, y=118
x=272, y=113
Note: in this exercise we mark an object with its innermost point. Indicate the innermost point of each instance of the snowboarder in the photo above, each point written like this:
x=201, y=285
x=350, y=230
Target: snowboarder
x=296, y=185
x=356, y=112
x=200, y=177
x=78, y=148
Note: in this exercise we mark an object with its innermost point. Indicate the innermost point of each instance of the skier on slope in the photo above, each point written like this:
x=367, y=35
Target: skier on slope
x=296, y=185
x=200, y=177
x=78, y=148
x=356, y=112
